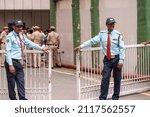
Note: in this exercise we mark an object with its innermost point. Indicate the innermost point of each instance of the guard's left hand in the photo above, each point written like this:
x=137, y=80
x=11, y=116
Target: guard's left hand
x=145, y=43
x=120, y=65
x=45, y=49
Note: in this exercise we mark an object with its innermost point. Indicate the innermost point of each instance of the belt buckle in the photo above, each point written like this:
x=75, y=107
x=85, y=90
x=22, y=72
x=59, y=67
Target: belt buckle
x=113, y=56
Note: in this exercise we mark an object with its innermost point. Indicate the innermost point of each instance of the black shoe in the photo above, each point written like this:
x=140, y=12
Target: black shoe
x=115, y=98
x=102, y=98
x=24, y=99
x=58, y=65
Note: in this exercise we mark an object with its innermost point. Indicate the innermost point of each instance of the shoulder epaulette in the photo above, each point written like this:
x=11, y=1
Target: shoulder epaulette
x=117, y=32
x=10, y=34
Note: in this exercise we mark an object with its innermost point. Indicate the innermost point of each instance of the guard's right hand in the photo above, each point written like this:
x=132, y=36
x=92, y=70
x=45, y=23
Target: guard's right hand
x=11, y=69
x=77, y=49
x=45, y=49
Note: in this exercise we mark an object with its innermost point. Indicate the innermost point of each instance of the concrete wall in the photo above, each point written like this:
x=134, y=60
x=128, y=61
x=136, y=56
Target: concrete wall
x=125, y=13
x=85, y=20
x=64, y=28
x=25, y=4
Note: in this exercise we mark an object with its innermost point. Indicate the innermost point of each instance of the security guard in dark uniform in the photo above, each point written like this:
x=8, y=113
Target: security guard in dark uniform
x=113, y=49
x=15, y=42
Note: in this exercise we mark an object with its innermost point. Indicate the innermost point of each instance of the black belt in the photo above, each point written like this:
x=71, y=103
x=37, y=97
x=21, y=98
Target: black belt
x=113, y=56
x=17, y=60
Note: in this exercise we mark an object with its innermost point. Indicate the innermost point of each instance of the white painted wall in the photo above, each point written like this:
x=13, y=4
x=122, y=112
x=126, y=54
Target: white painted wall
x=125, y=13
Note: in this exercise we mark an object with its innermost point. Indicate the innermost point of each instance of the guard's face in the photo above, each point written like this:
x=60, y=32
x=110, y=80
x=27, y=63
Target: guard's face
x=6, y=30
x=110, y=27
x=17, y=29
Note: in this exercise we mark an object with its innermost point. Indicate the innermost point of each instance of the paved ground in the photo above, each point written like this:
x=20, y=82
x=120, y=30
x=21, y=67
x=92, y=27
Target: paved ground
x=137, y=96
x=63, y=86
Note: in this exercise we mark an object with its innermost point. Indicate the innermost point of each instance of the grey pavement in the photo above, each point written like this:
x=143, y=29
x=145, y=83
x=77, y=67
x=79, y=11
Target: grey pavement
x=63, y=86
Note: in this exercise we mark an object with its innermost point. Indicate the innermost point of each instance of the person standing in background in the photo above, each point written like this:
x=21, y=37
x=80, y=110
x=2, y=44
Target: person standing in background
x=3, y=43
x=37, y=38
x=53, y=42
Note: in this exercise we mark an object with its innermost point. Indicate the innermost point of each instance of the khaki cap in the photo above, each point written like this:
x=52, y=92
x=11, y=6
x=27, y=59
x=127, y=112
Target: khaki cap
x=52, y=27
x=5, y=27
x=36, y=27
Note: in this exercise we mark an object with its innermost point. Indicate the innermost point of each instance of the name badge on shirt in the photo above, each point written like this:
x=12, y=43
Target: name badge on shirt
x=115, y=39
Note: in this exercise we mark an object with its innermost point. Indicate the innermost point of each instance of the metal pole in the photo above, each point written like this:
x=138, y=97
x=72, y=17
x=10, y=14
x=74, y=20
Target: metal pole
x=50, y=75
x=78, y=74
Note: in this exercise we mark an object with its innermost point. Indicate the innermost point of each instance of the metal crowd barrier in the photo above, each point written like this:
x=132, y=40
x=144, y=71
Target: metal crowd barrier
x=135, y=75
x=37, y=80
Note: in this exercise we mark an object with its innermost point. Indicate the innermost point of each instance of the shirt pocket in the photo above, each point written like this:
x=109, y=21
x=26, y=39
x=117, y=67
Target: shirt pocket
x=114, y=41
x=15, y=44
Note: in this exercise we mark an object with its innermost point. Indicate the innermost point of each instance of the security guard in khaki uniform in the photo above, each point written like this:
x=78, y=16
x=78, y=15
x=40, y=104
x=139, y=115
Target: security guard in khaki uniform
x=3, y=42
x=53, y=43
x=37, y=38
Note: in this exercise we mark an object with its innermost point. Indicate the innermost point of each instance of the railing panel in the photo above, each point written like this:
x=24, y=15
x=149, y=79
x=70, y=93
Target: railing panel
x=135, y=74
x=37, y=78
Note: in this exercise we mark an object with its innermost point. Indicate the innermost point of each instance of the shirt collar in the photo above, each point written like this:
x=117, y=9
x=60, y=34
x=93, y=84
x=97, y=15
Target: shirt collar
x=15, y=33
x=110, y=32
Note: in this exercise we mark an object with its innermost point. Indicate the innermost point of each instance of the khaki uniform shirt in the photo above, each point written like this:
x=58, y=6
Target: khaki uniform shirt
x=3, y=37
x=37, y=37
x=53, y=39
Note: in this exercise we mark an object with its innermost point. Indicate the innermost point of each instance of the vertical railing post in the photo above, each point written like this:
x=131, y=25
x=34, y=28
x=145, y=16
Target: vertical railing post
x=78, y=74
x=50, y=75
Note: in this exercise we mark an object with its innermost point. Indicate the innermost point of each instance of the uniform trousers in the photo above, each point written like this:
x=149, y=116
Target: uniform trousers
x=55, y=56
x=36, y=60
x=15, y=78
x=110, y=65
